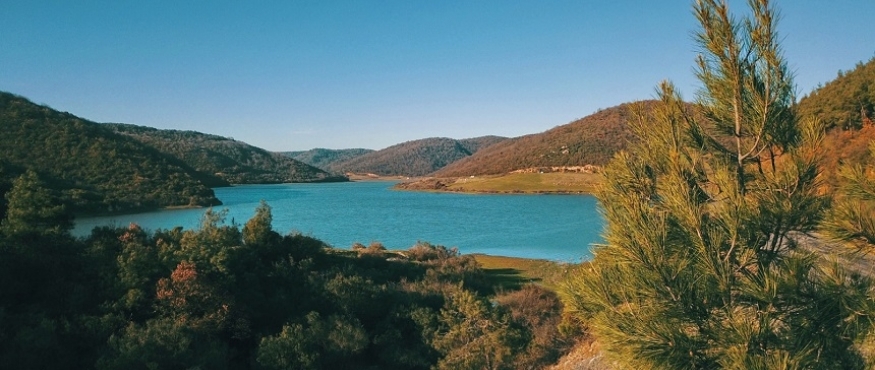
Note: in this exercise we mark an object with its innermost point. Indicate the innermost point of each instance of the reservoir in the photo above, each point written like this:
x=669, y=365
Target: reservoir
x=554, y=227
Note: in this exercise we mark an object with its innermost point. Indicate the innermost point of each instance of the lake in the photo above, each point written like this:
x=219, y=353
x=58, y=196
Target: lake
x=554, y=227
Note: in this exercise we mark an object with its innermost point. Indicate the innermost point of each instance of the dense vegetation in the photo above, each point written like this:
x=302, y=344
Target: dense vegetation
x=94, y=169
x=326, y=158
x=233, y=161
x=702, y=268
x=590, y=140
x=846, y=106
x=226, y=297
x=844, y=102
x=415, y=158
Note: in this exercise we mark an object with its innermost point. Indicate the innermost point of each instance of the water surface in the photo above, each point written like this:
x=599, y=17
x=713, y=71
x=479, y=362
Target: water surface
x=555, y=227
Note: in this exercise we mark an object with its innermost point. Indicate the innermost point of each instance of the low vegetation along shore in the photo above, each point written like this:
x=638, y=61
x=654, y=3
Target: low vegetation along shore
x=511, y=183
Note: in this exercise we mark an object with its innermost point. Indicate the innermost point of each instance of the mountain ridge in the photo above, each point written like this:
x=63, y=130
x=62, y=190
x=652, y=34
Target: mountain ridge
x=415, y=157
x=591, y=140
x=95, y=170
x=233, y=161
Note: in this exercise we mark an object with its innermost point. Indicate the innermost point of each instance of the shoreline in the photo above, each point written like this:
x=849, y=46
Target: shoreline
x=556, y=183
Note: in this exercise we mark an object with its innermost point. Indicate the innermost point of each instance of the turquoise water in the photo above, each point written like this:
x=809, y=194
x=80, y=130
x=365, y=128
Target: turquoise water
x=555, y=227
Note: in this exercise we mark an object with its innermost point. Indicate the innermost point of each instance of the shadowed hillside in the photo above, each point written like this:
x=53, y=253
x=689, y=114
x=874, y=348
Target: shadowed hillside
x=590, y=140
x=416, y=158
x=94, y=169
x=231, y=160
x=325, y=158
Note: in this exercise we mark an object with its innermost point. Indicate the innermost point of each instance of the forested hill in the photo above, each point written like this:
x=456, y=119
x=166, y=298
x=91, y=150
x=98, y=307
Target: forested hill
x=416, y=158
x=93, y=169
x=590, y=140
x=846, y=106
x=842, y=102
x=233, y=161
x=325, y=158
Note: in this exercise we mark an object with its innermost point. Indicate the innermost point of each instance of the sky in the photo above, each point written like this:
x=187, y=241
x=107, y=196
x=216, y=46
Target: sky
x=302, y=74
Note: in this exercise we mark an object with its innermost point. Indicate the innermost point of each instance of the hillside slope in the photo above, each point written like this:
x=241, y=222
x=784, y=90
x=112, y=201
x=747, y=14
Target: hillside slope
x=233, y=161
x=590, y=140
x=325, y=158
x=416, y=158
x=842, y=102
x=846, y=106
x=95, y=169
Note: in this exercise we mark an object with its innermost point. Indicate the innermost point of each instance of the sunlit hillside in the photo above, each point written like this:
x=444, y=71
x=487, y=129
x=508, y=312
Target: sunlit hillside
x=590, y=140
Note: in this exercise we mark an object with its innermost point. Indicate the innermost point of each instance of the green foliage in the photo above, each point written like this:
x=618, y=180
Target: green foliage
x=230, y=160
x=96, y=170
x=846, y=106
x=33, y=209
x=218, y=297
x=701, y=269
x=316, y=344
x=474, y=336
x=415, y=158
x=259, y=230
x=852, y=217
x=842, y=103
x=163, y=344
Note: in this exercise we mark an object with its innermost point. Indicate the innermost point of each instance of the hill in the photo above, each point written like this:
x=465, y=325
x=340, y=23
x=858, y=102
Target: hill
x=417, y=157
x=846, y=106
x=231, y=160
x=325, y=158
x=843, y=102
x=592, y=140
x=94, y=169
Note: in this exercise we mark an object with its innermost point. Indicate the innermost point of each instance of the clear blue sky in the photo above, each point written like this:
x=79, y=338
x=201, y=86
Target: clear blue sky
x=294, y=75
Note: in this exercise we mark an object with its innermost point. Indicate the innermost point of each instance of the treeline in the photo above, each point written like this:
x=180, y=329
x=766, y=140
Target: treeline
x=230, y=297
x=415, y=158
x=94, y=169
x=590, y=140
x=326, y=158
x=844, y=102
x=233, y=161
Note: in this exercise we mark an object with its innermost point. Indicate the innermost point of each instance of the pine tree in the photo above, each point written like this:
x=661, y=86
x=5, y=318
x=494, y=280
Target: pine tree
x=852, y=217
x=701, y=269
x=32, y=209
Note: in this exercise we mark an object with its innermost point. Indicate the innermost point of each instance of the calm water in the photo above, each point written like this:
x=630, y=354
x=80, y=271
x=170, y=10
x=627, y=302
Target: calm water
x=556, y=227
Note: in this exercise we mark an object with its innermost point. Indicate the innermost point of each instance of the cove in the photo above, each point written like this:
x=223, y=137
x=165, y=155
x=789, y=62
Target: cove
x=553, y=227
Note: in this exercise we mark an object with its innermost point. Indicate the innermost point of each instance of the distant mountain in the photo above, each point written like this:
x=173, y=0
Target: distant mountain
x=233, y=161
x=95, y=169
x=325, y=158
x=590, y=140
x=415, y=158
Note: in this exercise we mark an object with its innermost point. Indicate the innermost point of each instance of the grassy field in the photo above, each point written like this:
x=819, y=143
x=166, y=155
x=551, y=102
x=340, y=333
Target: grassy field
x=513, y=272
x=554, y=182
